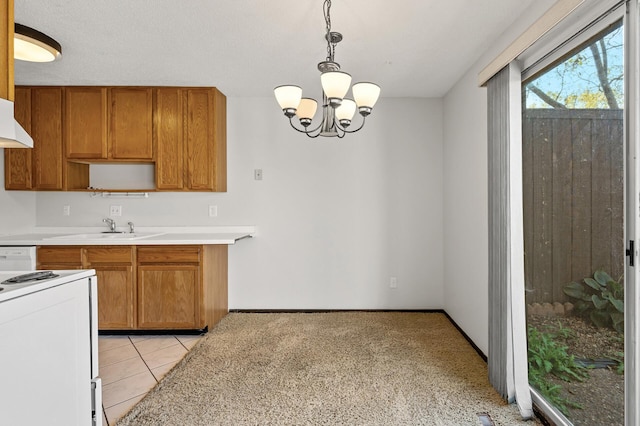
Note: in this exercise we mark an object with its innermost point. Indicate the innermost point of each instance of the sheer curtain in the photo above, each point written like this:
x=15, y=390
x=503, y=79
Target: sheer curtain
x=507, y=359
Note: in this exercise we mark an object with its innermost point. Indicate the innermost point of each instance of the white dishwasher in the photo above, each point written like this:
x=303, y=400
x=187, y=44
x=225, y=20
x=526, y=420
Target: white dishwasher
x=18, y=258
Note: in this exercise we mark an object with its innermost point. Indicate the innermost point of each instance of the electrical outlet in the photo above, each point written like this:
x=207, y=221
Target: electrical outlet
x=213, y=211
x=393, y=282
x=66, y=210
x=257, y=174
x=115, y=211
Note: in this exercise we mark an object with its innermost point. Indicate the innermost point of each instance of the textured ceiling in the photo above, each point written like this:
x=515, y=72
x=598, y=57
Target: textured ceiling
x=416, y=48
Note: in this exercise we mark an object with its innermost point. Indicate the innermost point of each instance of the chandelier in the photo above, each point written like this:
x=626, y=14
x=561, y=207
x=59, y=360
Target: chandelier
x=337, y=111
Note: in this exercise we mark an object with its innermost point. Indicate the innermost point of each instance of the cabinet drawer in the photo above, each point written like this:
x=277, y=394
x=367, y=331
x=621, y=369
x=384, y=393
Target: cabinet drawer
x=159, y=254
x=110, y=255
x=59, y=255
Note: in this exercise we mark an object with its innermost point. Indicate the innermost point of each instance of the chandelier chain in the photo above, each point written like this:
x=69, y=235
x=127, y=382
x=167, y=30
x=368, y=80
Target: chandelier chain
x=331, y=47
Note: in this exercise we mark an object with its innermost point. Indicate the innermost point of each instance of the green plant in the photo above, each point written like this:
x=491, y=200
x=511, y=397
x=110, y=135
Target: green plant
x=619, y=357
x=547, y=357
x=602, y=300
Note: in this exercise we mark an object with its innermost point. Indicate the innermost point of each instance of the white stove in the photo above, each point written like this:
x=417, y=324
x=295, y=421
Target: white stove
x=12, y=290
x=49, y=334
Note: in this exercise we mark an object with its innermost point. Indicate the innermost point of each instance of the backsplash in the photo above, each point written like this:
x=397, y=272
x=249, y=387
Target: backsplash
x=159, y=209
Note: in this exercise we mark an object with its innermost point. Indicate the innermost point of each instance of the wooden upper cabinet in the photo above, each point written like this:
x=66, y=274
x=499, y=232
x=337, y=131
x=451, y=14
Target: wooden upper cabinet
x=220, y=138
x=190, y=135
x=85, y=122
x=131, y=123
x=18, y=170
x=46, y=130
x=200, y=139
x=108, y=123
x=180, y=129
x=169, y=138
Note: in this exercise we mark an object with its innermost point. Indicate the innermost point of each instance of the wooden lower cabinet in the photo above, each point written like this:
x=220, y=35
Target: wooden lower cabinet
x=150, y=287
x=114, y=267
x=170, y=296
x=181, y=287
x=116, y=297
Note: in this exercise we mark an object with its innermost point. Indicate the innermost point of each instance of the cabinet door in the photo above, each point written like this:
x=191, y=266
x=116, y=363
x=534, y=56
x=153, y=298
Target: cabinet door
x=131, y=123
x=116, y=297
x=85, y=122
x=169, y=296
x=168, y=134
x=116, y=288
x=199, y=135
x=17, y=161
x=46, y=130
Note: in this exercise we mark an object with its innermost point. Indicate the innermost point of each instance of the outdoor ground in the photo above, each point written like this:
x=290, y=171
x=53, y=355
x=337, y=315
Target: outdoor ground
x=602, y=394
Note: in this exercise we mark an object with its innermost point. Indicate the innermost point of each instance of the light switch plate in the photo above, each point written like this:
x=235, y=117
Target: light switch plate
x=257, y=174
x=66, y=210
x=213, y=211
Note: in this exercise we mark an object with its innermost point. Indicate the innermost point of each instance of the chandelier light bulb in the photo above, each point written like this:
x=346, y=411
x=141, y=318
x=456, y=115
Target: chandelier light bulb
x=289, y=98
x=335, y=85
x=306, y=111
x=366, y=95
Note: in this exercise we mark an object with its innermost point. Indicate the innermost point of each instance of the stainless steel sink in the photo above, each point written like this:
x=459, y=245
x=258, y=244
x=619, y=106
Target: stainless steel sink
x=102, y=236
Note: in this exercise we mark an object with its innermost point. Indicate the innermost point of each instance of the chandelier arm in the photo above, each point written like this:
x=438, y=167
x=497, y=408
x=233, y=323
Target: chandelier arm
x=351, y=131
x=305, y=131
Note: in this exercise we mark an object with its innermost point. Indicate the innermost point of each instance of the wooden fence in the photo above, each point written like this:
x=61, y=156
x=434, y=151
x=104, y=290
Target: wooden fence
x=573, y=198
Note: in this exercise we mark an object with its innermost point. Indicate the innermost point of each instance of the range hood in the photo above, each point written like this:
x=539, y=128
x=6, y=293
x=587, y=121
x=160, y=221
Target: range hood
x=12, y=135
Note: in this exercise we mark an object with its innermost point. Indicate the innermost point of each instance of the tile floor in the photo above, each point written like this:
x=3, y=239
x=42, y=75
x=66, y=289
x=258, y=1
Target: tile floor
x=130, y=366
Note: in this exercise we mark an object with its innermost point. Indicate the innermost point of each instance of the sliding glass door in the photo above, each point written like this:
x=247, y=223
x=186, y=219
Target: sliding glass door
x=574, y=230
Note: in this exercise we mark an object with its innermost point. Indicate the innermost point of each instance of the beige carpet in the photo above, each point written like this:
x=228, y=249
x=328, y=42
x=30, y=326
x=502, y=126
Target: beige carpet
x=339, y=368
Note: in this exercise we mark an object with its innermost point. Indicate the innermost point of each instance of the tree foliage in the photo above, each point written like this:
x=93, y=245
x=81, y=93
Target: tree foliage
x=592, y=78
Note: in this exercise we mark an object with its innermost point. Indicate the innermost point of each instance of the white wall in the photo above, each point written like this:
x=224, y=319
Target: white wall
x=465, y=207
x=336, y=218
x=465, y=191
x=17, y=208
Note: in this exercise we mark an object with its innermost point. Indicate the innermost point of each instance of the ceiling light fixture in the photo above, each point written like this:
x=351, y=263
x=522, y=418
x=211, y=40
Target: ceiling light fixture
x=33, y=46
x=337, y=111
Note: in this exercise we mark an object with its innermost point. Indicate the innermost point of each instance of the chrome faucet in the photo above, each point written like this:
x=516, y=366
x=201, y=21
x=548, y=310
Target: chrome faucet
x=111, y=223
x=130, y=227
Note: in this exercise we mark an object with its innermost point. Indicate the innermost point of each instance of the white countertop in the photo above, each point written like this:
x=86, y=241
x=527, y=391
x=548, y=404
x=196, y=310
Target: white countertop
x=142, y=236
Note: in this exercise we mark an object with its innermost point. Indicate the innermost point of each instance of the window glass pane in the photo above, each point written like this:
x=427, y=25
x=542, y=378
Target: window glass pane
x=573, y=195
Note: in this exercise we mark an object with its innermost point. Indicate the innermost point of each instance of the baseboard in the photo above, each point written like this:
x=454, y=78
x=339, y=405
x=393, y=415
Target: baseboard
x=473, y=345
x=311, y=311
x=162, y=332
